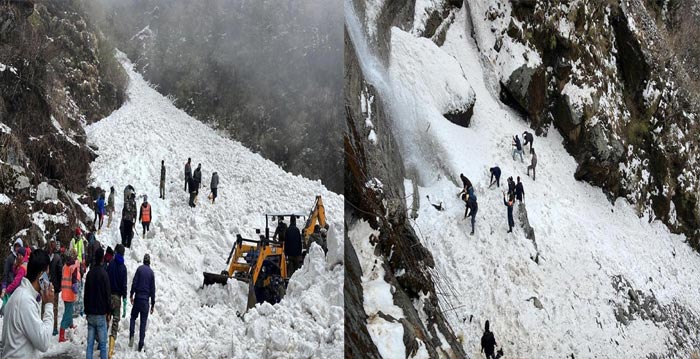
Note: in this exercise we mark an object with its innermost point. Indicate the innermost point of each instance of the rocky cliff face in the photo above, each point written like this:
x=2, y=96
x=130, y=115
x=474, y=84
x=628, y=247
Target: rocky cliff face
x=374, y=192
x=617, y=80
x=56, y=75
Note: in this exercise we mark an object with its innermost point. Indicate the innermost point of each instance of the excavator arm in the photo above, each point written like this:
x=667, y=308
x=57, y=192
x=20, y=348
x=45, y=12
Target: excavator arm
x=317, y=215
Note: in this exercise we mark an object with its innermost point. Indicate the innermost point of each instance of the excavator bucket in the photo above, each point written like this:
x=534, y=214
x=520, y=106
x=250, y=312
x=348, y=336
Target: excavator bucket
x=213, y=278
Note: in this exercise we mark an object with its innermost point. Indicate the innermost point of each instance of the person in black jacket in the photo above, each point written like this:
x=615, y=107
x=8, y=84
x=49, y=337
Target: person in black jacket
x=97, y=304
x=511, y=187
x=472, y=208
x=162, y=179
x=55, y=276
x=509, y=204
x=188, y=174
x=517, y=148
x=488, y=342
x=495, y=172
x=193, y=191
x=117, y=281
x=292, y=246
x=527, y=136
x=280, y=231
x=466, y=183
x=519, y=191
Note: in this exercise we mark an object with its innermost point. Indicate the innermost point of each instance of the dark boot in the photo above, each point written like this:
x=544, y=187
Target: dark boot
x=62, y=336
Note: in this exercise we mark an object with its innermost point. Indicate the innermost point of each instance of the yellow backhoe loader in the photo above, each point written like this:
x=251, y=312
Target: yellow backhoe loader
x=262, y=263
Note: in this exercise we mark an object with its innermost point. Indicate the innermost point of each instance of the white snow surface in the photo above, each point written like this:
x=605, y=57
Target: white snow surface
x=4, y=199
x=190, y=322
x=583, y=239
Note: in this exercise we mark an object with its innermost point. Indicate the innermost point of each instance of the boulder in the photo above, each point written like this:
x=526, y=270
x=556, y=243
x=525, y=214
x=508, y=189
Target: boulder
x=46, y=191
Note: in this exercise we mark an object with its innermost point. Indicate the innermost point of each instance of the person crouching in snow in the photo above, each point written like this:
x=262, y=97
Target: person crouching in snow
x=495, y=172
x=69, y=290
x=145, y=215
x=24, y=332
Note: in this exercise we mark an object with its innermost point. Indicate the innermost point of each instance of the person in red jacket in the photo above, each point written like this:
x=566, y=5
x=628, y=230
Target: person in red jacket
x=20, y=270
x=145, y=215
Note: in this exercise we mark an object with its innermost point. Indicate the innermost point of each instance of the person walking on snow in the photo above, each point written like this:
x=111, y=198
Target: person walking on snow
x=70, y=281
x=214, y=185
x=519, y=191
x=117, y=282
x=145, y=215
x=101, y=211
x=197, y=181
x=509, y=205
x=162, y=179
x=110, y=206
x=24, y=332
x=128, y=220
x=488, y=342
x=495, y=176
x=193, y=191
x=518, y=148
x=97, y=306
x=293, y=246
x=533, y=164
x=55, y=277
x=527, y=136
x=143, y=287
x=188, y=173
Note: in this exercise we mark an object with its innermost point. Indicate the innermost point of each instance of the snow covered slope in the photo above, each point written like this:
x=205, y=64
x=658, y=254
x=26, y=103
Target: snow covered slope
x=581, y=306
x=201, y=323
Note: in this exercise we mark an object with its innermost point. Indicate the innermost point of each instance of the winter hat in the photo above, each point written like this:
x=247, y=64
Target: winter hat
x=21, y=252
x=78, y=231
x=110, y=250
x=147, y=259
x=120, y=249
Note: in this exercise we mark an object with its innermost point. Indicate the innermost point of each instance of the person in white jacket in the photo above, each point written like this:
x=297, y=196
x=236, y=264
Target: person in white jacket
x=23, y=331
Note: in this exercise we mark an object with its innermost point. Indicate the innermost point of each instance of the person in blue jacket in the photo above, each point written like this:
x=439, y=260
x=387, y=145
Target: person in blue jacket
x=143, y=288
x=100, y=211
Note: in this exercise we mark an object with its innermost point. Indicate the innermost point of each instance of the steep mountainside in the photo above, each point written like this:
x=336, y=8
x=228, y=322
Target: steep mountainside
x=266, y=72
x=57, y=74
x=585, y=272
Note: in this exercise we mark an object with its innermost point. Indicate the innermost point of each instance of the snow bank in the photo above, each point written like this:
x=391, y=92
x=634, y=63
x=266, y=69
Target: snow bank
x=190, y=322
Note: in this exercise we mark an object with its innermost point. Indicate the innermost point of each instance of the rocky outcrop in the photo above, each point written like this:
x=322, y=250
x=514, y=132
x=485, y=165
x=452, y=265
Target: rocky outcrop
x=56, y=75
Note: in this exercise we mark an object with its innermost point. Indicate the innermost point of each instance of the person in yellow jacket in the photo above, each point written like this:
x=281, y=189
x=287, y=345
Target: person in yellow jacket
x=69, y=292
x=145, y=215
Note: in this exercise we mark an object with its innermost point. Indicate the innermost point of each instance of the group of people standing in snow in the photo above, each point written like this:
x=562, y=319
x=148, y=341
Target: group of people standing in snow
x=194, y=182
x=91, y=282
x=515, y=191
